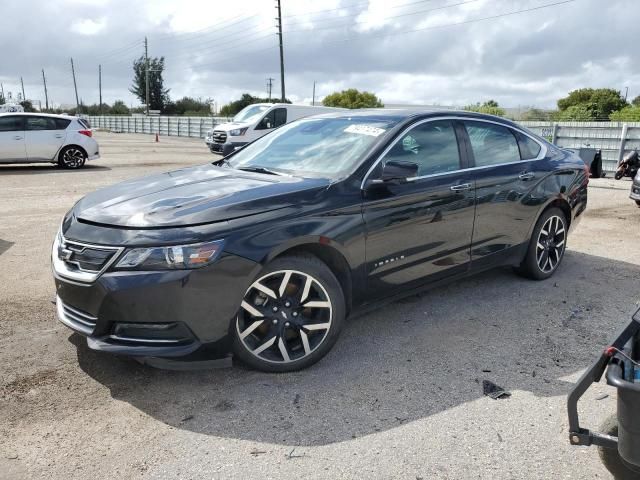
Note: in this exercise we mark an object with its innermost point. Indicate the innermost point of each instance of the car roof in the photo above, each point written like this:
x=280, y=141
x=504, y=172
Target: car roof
x=37, y=114
x=400, y=114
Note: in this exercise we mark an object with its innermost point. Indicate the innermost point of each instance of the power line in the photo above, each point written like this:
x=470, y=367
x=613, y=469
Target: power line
x=436, y=27
x=345, y=7
x=386, y=18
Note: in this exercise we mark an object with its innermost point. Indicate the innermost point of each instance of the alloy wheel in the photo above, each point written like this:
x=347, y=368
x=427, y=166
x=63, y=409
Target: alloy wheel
x=284, y=316
x=73, y=158
x=551, y=243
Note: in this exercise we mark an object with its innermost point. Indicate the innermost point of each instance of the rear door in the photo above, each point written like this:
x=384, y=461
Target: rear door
x=506, y=170
x=44, y=136
x=420, y=229
x=12, y=147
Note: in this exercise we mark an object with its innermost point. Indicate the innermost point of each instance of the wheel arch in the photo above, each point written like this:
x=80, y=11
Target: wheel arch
x=75, y=145
x=329, y=253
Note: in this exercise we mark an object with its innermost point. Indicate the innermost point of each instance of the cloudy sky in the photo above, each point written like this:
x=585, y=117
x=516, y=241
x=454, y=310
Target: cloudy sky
x=446, y=52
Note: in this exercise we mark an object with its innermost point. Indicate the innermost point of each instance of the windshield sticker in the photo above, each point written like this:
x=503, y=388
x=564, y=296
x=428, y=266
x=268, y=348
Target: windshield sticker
x=365, y=130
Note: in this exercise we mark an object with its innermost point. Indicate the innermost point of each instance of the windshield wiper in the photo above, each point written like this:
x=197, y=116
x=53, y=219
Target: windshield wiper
x=257, y=169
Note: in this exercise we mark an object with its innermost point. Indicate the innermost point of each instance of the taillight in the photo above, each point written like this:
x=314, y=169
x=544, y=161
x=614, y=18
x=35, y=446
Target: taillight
x=88, y=133
x=587, y=174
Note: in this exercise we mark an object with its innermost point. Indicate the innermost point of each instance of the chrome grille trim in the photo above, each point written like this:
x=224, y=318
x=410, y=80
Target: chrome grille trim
x=219, y=136
x=63, y=267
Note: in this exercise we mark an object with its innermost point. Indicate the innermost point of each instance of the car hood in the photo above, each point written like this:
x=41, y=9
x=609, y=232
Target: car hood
x=192, y=196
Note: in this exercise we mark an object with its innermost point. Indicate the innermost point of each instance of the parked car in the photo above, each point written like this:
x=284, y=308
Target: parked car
x=256, y=120
x=635, y=189
x=265, y=253
x=39, y=137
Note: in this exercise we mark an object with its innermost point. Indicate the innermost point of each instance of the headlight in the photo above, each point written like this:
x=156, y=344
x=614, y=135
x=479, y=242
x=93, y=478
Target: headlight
x=179, y=257
x=238, y=132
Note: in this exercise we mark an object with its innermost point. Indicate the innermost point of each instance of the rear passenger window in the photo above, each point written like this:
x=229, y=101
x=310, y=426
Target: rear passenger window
x=62, y=123
x=492, y=144
x=529, y=148
x=432, y=145
x=41, y=123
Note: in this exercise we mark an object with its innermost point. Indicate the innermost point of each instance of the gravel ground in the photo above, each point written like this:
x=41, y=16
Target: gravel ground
x=400, y=395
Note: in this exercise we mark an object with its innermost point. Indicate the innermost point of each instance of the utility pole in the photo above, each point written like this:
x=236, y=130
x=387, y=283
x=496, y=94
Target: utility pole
x=23, y=96
x=75, y=86
x=313, y=98
x=269, y=86
x=2, y=92
x=146, y=71
x=281, y=49
x=100, y=88
x=626, y=92
x=46, y=95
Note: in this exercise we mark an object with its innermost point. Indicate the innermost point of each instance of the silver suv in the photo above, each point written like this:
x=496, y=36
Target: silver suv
x=39, y=137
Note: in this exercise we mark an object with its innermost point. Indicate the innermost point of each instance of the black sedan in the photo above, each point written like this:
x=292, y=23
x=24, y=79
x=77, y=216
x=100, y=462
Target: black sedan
x=265, y=253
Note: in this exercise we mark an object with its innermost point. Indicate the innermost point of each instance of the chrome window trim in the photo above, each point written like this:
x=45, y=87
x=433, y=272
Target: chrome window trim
x=542, y=154
x=83, y=276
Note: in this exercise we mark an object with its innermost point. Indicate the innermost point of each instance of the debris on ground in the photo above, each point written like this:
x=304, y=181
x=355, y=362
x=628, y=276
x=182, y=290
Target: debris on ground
x=492, y=390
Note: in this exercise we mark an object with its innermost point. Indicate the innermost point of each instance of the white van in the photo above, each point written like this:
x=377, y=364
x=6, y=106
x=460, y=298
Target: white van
x=11, y=108
x=254, y=121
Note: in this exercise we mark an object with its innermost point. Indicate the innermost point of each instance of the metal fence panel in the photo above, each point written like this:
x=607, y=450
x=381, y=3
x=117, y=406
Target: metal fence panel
x=163, y=125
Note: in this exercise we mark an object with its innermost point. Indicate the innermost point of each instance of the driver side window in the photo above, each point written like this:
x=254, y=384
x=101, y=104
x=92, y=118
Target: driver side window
x=273, y=119
x=433, y=146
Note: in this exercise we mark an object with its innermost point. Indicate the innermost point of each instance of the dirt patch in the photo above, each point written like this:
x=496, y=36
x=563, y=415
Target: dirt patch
x=23, y=385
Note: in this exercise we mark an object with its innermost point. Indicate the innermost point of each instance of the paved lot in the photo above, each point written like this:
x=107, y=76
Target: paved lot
x=399, y=396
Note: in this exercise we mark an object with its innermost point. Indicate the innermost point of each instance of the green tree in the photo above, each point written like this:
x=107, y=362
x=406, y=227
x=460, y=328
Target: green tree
x=188, y=106
x=158, y=95
x=119, y=108
x=601, y=102
x=232, y=108
x=627, y=114
x=585, y=112
x=490, y=107
x=636, y=101
x=27, y=105
x=534, y=114
x=352, y=98
x=2, y=100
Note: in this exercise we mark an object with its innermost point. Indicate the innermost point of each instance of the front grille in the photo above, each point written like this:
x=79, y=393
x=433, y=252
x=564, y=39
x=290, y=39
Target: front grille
x=219, y=136
x=84, y=258
x=76, y=319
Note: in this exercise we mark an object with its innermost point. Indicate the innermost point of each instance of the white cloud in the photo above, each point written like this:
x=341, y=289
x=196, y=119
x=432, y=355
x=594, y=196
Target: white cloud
x=87, y=26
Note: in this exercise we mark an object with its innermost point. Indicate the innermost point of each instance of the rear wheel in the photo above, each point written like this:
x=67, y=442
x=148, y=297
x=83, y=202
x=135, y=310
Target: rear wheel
x=72, y=157
x=546, y=247
x=290, y=316
x=611, y=458
x=638, y=203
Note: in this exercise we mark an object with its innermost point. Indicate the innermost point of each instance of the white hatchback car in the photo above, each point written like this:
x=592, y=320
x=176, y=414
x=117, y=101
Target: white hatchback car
x=39, y=137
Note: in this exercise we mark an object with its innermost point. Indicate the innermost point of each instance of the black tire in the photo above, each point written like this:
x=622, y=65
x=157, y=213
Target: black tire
x=72, y=157
x=619, y=174
x=611, y=458
x=638, y=203
x=279, y=316
x=534, y=265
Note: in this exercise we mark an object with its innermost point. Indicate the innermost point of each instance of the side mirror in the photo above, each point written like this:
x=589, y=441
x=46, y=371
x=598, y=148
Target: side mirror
x=398, y=171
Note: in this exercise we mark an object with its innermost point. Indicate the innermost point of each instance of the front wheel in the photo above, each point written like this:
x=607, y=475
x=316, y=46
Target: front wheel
x=638, y=203
x=72, y=157
x=546, y=247
x=619, y=174
x=290, y=316
x=610, y=457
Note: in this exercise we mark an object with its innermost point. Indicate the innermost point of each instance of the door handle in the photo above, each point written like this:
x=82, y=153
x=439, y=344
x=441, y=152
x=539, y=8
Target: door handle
x=526, y=176
x=460, y=188
x=59, y=136
x=17, y=137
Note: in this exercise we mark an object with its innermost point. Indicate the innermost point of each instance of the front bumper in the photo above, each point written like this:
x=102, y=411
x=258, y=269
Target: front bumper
x=223, y=149
x=635, y=191
x=159, y=313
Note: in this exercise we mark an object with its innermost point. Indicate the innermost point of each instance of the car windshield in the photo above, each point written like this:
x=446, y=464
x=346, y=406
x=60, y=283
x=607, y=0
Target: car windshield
x=316, y=147
x=251, y=113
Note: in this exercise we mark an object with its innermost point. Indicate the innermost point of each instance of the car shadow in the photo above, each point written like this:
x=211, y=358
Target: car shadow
x=32, y=169
x=408, y=360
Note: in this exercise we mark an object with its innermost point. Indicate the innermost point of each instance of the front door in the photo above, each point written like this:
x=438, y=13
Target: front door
x=421, y=229
x=43, y=138
x=12, y=147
